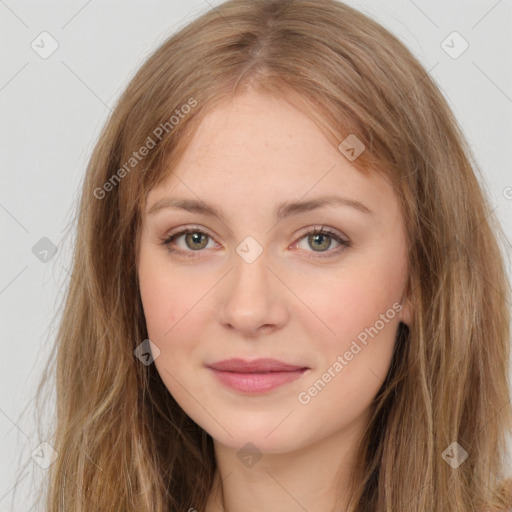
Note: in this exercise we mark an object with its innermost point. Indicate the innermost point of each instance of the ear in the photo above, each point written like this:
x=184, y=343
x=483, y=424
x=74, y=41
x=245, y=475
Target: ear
x=405, y=314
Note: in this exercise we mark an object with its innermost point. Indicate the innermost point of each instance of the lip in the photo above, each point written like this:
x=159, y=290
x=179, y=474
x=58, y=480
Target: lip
x=254, y=366
x=255, y=376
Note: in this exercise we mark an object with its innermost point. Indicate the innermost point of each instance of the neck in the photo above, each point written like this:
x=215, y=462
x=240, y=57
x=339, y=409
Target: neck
x=313, y=477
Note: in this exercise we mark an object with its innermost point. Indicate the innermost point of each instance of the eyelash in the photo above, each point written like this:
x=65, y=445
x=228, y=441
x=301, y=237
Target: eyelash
x=344, y=244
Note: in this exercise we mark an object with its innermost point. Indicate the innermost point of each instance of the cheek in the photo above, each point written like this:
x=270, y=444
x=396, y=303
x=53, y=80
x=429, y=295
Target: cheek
x=158, y=301
x=343, y=305
x=168, y=309
x=359, y=312
x=356, y=347
x=164, y=296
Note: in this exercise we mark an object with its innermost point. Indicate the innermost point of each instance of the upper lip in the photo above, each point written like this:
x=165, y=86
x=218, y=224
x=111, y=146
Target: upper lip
x=255, y=366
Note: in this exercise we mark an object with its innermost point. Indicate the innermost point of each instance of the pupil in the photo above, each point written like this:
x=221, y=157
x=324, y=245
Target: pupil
x=320, y=237
x=196, y=237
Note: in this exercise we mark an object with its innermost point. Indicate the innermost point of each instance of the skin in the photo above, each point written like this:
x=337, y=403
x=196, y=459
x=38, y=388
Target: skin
x=292, y=303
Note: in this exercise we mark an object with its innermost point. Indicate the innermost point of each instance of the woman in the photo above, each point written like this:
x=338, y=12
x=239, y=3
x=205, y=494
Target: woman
x=209, y=357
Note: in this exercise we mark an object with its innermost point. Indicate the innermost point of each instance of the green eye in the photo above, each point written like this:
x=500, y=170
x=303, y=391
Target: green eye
x=196, y=239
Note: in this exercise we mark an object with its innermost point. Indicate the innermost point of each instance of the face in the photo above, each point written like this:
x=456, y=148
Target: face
x=317, y=288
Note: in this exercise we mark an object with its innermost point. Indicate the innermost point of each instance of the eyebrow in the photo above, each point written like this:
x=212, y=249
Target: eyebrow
x=284, y=210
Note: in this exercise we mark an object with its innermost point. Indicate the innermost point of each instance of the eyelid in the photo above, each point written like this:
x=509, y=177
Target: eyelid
x=343, y=241
x=322, y=228
x=188, y=228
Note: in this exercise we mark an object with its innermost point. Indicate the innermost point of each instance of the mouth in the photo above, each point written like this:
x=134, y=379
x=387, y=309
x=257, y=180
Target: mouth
x=255, y=376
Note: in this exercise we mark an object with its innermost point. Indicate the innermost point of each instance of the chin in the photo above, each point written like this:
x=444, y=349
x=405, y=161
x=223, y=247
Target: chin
x=244, y=440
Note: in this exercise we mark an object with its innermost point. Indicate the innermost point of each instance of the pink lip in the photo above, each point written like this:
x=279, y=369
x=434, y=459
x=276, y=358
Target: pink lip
x=255, y=376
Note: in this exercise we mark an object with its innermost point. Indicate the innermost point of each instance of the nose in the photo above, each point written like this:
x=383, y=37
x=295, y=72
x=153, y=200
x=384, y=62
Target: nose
x=253, y=299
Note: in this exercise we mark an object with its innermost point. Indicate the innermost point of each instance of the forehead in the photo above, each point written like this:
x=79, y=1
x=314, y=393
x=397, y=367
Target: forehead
x=258, y=144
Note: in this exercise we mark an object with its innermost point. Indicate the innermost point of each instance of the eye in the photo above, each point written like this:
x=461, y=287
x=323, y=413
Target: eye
x=321, y=239
x=196, y=239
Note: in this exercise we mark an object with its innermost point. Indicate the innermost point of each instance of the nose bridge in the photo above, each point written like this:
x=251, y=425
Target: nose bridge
x=251, y=297
x=250, y=272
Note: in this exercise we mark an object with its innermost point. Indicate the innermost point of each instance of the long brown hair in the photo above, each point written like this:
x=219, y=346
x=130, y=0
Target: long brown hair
x=123, y=442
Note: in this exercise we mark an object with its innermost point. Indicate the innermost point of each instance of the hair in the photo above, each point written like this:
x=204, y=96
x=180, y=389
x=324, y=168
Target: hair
x=123, y=442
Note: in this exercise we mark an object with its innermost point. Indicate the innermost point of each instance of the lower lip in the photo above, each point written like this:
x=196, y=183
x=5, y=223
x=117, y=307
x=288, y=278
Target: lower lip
x=256, y=382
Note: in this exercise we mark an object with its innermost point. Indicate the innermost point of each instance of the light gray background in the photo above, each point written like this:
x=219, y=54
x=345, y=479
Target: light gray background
x=52, y=110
